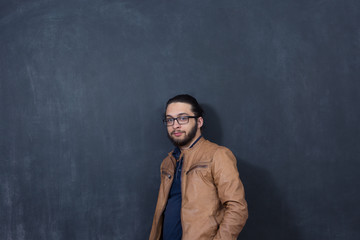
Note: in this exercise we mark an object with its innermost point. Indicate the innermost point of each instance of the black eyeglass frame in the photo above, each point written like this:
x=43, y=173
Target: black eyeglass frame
x=188, y=117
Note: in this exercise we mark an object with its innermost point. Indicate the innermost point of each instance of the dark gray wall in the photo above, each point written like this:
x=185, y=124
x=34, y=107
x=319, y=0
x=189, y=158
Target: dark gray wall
x=83, y=86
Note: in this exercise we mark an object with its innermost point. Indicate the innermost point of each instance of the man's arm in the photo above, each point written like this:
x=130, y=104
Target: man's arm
x=231, y=194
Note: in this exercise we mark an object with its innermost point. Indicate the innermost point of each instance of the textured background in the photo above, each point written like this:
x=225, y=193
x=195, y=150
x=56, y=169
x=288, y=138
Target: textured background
x=83, y=86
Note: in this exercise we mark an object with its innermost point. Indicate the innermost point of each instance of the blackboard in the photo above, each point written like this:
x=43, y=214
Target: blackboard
x=83, y=85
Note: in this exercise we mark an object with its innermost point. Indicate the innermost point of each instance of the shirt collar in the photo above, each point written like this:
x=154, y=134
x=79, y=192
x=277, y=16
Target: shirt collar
x=177, y=151
x=195, y=141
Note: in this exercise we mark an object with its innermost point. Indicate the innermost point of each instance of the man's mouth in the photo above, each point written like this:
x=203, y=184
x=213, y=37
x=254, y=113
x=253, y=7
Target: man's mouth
x=177, y=134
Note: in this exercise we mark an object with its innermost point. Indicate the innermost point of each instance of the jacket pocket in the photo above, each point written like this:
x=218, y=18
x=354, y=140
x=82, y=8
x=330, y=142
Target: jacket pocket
x=166, y=174
x=196, y=166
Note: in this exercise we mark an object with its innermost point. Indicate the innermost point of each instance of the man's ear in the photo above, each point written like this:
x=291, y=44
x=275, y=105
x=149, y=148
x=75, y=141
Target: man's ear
x=200, y=122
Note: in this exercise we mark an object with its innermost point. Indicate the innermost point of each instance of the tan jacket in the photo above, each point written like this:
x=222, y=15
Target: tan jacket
x=213, y=199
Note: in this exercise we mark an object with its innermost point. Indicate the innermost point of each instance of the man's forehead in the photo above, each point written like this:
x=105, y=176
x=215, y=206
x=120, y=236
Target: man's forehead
x=178, y=108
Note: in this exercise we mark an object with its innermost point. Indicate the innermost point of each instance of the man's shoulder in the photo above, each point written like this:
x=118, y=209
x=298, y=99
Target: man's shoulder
x=211, y=148
x=167, y=162
x=212, y=145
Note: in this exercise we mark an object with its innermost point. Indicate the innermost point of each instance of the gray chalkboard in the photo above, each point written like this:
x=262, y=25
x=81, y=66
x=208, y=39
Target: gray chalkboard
x=83, y=86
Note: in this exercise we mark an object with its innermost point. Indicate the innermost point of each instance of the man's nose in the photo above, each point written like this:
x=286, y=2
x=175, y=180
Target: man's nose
x=176, y=124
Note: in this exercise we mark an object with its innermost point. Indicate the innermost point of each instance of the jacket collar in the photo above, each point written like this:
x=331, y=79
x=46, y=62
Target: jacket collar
x=192, y=148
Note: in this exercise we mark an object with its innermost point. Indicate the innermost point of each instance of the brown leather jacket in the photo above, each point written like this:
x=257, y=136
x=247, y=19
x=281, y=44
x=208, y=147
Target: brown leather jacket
x=213, y=199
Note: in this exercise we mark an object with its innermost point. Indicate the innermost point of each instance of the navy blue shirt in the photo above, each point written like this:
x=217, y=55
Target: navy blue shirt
x=172, y=229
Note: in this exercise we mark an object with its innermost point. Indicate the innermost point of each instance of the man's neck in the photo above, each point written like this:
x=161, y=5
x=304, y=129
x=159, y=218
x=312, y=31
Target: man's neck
x=192, y=142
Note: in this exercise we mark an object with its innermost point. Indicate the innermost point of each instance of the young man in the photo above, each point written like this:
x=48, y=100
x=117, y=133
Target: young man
x=201, y=195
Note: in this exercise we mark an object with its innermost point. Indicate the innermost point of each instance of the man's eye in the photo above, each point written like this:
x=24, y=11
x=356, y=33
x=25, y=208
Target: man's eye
x=169, y=120
x=183, y=118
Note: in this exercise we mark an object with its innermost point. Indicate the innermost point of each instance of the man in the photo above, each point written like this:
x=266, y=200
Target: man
x=201, y=195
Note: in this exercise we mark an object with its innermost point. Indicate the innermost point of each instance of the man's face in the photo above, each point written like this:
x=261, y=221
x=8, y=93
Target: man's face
x=183, y=135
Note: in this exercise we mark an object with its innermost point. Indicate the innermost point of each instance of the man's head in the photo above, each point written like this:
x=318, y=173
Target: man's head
x=183, y=119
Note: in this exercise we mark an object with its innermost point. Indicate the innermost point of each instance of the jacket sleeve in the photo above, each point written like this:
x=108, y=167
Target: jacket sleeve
x=231, y=194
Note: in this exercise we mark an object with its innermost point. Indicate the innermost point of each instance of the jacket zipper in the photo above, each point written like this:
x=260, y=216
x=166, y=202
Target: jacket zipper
x=168, y=175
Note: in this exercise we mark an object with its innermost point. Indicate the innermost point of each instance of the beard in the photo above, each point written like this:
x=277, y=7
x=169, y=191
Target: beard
x=188, y=137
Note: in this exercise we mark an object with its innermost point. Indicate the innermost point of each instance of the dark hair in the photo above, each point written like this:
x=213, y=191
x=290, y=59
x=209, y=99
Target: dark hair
x=186, y=98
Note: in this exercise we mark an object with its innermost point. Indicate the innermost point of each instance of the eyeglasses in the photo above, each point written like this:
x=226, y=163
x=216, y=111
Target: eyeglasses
x=181, y=120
